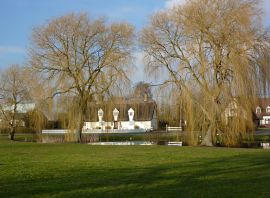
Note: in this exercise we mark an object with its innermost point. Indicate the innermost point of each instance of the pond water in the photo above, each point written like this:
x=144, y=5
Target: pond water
x=123, y=143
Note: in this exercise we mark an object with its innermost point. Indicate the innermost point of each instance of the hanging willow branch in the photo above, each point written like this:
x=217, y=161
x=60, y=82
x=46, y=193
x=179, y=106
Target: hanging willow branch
x=214, y=52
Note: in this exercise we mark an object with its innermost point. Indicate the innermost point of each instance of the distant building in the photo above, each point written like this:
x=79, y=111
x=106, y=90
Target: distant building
x=21, y=108
x=262, y=111
x=126, y=114
x=234, y=110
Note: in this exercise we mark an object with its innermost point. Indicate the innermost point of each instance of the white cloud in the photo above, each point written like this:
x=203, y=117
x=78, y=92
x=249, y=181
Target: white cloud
x=172, y=3
x=11, y=49
x=138, y=73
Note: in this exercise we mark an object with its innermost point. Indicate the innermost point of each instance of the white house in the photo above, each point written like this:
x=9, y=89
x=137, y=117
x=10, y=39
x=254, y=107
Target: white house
x=125, y=116
x=21, y=108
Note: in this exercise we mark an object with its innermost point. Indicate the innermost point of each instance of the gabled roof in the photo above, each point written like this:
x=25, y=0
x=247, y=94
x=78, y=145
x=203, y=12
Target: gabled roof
x=143, y=111
x=263, y=103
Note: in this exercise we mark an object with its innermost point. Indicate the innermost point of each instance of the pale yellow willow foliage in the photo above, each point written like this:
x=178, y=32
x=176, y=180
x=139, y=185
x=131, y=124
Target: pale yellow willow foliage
x=40, y=93
x=68, y=109
x=13, y=92
x=216, y=53
x=81, y=57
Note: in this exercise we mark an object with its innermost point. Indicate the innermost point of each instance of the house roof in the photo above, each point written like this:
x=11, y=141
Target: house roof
x=263, y=103
x=143, y=110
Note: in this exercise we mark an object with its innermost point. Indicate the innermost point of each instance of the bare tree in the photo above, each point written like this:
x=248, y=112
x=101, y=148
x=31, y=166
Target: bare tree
x=81, y=57
x=142, y=90
x=210, y=50
x=13, y=91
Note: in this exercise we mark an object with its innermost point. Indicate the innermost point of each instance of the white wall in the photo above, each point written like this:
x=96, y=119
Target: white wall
x=143, y=124
x=262, y=122
x=21, y=108
x=124, y=125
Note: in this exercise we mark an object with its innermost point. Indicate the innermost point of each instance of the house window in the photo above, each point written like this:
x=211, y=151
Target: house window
x=267, y=121
x=268, y=109
x=258, y=110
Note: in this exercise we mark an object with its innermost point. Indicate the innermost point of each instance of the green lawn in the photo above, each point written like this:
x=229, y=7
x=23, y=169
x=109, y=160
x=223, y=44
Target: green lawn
x=79, y=170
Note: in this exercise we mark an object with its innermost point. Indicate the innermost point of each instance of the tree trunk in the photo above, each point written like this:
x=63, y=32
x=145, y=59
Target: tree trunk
x=12, y=134
x=82, y=113
x=79, y=129
x=207, y=140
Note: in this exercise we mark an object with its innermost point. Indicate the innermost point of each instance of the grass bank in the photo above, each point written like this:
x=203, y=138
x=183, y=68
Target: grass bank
x=80, y=170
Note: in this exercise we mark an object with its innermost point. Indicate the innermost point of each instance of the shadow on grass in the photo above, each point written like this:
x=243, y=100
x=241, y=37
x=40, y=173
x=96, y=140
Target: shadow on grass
x=237, y=176
x=19, y=138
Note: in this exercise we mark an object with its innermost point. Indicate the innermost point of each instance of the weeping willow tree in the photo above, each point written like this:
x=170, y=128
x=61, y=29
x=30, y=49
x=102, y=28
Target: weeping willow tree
x=215, y=54
x=168, y=106
x=81, y=57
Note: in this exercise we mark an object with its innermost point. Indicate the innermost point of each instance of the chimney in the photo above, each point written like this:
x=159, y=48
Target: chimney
x=145, y=97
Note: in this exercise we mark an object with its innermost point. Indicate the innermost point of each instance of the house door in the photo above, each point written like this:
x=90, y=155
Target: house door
x=115, y=125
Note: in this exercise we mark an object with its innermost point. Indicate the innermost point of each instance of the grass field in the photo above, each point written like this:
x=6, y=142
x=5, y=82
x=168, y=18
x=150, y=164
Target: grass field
x=79, y=170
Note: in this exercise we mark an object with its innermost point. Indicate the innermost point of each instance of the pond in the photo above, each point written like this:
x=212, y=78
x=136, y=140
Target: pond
x=123, y=143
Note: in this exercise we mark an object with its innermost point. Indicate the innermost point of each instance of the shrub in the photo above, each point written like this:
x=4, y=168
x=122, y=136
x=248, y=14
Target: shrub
x=265, y=138
x=136, y=127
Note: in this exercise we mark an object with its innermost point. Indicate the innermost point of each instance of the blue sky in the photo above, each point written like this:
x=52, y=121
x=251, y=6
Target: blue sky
x=18, y=17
